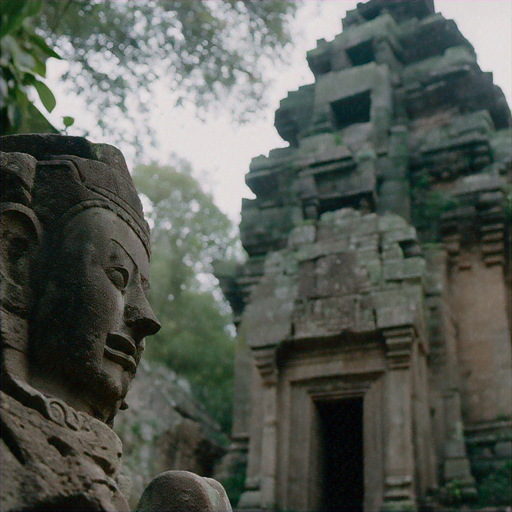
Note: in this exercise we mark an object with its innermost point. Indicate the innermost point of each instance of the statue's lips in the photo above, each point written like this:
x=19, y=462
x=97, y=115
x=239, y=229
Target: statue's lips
x=121, y=349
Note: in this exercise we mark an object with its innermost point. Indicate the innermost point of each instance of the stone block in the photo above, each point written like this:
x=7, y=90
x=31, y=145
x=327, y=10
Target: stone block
x=275, y=262
x=367, y=248
x=267, y=319
x=457, y=55
x=339, y=217
x=398, y=235
x=301, y=235
x=325, y=317
x=365, y=321
x=250, y=500
x=503, y=449
x=345, y=83
x=307, y=280
x=385, y=297
x=395, y=315
x=374, y=270
x=392, y=253
x=330, y=275
x=357, y=135
x=501, y=147
x=480, y=122
x=329, y=246
x=455, y=467
x=264, y=228
x=389, y=222
x=315, y=146
x=291, y=264
x=366, y=226
x=336, y=275
x=382, y=26
x=398, y=270
x=398, y=149
x=478, y=183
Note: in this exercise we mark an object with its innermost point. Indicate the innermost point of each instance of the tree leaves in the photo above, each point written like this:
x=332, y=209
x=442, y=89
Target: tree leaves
x=188, y=232
x=207, y=53
x=68, y=121
x=14, y=14
x=46, y=96
x=23, y=63
x=39, y=42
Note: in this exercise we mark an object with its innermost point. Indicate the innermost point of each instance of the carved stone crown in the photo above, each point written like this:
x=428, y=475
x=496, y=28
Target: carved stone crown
x=91, y=174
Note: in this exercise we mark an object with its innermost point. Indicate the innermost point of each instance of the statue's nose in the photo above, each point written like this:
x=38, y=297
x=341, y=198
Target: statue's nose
x=146, y=326
x=139, y=316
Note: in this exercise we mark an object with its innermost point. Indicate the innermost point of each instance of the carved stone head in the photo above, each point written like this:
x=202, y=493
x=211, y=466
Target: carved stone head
x=76, y=269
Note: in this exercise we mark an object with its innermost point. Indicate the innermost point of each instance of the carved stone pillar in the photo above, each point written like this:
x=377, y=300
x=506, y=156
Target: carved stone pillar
x=399, y=492
x=475, y=236
x=456, y=463
x=265, y=361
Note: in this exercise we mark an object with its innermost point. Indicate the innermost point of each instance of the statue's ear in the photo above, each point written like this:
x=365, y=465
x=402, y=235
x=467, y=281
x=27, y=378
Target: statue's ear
x=21, y=233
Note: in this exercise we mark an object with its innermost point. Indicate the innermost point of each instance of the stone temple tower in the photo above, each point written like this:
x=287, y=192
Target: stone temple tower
x=373, y=311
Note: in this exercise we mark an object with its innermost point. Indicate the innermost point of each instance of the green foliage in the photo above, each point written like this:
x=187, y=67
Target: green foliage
x=453, y=492
x=68, y=121
x=188, y=233
x=22, y=64
x=495, y=488
x=234, y=483
x=205, y=52
x=436, y=203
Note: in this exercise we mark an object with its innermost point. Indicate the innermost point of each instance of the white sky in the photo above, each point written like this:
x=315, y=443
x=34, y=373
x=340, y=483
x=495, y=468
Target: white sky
x=220, y=151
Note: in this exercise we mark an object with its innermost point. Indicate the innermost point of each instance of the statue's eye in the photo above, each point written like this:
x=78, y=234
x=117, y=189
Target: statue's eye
x=119, y=276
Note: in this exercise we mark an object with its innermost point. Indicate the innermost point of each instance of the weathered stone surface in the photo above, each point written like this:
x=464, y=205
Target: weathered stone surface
x=53, y=455
x=182, y=491
x=385, y=231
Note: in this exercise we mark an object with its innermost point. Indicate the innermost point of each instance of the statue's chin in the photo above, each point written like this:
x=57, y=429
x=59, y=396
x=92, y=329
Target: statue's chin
x=111, y=384
x=95, y=388
x=117, y=379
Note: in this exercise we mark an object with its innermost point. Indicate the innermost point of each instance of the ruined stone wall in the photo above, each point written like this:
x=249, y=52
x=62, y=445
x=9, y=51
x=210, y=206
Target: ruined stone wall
x=400, y=120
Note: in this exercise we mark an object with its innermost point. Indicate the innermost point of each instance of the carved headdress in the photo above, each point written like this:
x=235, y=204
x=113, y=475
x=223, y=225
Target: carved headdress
x=69, y=175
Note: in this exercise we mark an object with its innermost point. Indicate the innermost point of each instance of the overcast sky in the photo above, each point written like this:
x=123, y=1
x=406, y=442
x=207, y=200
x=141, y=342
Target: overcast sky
x=221, y=151
x=225, y=150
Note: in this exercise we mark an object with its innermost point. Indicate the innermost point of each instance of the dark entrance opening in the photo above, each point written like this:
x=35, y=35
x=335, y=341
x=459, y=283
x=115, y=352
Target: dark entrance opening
x=341, y=454
x=352, y=110
x=361, y=53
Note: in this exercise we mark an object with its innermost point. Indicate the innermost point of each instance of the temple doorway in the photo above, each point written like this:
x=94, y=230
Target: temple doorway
x=341, y=454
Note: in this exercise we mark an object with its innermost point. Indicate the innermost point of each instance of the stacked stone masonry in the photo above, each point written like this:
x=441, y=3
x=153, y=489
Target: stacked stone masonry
x=376, y=293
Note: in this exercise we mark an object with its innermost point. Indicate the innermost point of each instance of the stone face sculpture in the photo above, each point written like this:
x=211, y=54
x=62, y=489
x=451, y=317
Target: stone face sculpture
x=75, y=272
